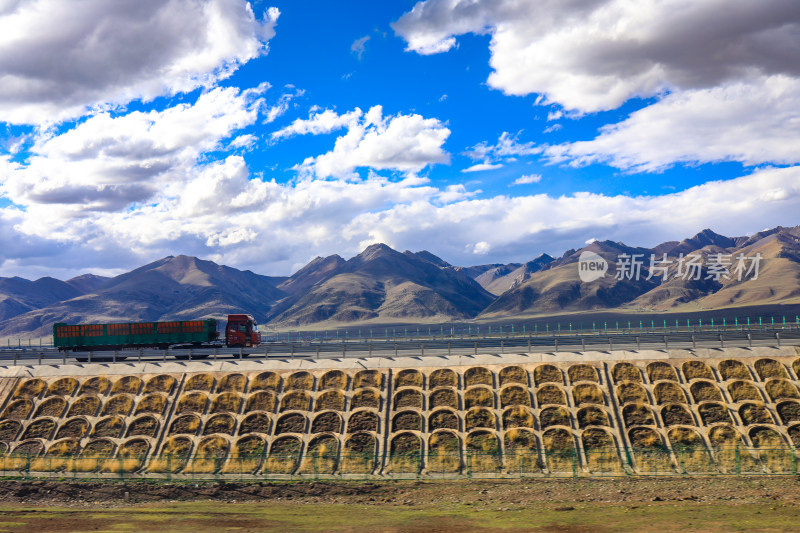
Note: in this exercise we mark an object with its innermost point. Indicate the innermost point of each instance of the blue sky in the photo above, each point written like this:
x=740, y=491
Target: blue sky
x=262, y=134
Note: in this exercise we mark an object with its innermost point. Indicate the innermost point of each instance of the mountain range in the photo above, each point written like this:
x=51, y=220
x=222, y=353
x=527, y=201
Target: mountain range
x=381, y=285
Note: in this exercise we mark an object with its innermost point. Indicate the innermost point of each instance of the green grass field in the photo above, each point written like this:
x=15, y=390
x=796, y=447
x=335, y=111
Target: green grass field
x=197, y=517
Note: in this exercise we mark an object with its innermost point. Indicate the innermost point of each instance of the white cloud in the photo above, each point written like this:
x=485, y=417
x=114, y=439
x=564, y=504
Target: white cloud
x=406, y=143
x=755, y=122
x=106, y=163
x=59, y=60
x=359, y=46
x=479, y=167
x=526, y=179
x=481, y=248
x=281, y=106
x=319, y=123
x=590, y=56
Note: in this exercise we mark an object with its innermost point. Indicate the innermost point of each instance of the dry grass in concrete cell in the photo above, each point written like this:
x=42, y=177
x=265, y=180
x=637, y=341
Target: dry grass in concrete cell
x=144, y=426
x=554, y=416
x=644, y=438
x=592, y=416
x=684, y=437
x=210, y=456
x=291, y=423
x=299, y=381
x=199, y=382
x=587, y=393
x=93, y=456
x=407, y=421
x=152, y=403
x=668, y=392
x=444, y=397
x=513, y=374
x=41, y=428
x=30, y=388
x=62, y=387
x=222, y=424
x=520, y=451
x=714, y=413
x=255, y=423
x=637, y=415
x=660, y=370
x=443, y=377
x=261, y=401
x=705, y=391
x=478, y=375
x=173, y=457
x=520, y=439
x=478, y=397
x=284, y=456
x=332, y=400
x=794, y=435
x=362, y=421
x=366, y=398
x=408, y=398
x=755, y=413
x=690, y=451
x=359, y=454
x=120, y=404
x=9, y=430
x=732, y=369
x=162, y=383
x=444, y=452
x=57, y=458
x=296, y=401
x=95, y=385
x=266, y=381
x=770, y=368
x=408, y=378
x=109, y=427
x=697, y=369
x=443, y=419
x=329, y=422
x=127, y=385
x=227, y=402
x=582, y=372
x=773, y=453
x=788, y=411
x=51, y=407
x=322, y=456
x=780, y=389
x=743, y=390
x=131, y=457
x=479, y=417
x=246, y=457
x=559, y=449
x=551, y=394
x=483, y=452
x=232, y=383
x=676, y=415
x=626, y=372
x=333, y=379
x=517, y=416
x=514, y=395
x=368, y=378
x=631, y=392
x=84, y=406
x=75, y=428
x=185, y=424
x=547, y=374
x=597, y=438
x=18, y=410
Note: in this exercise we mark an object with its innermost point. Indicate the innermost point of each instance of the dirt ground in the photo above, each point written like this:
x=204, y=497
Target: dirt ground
x=504, y=493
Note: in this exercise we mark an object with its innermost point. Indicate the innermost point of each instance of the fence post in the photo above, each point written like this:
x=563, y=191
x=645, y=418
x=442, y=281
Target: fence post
x=476, y=347
x=502, y=347
x=750, y=340
x=610, y=344
x=422, y=349
x=666, y=343
x=738, y=466
x=529, y=344
x=778, y=338
x=638, y=343
x=555, y=343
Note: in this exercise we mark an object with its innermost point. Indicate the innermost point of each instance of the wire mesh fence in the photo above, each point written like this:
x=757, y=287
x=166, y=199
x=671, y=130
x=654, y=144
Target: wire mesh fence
x=330, y=464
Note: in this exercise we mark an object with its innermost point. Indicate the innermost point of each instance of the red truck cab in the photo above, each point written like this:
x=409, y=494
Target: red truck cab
x=242, y=331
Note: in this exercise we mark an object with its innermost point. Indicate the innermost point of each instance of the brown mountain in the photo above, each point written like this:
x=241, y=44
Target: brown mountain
x=19, y=295
x=179, y=287
x=380, y=285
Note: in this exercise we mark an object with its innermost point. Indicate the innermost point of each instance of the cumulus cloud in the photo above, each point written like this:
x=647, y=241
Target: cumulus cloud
x=527, y=179
x=106, y=163
x=406, y=143
x=359, y=46
x=479, y=167
x=752, y=122
x=590, y=56
x=319, y=123
x=507, y=148
x=58, y=61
